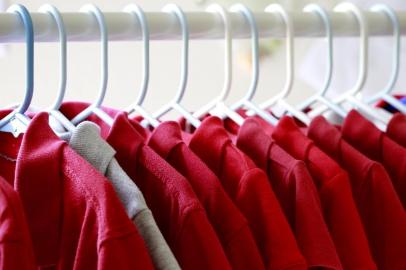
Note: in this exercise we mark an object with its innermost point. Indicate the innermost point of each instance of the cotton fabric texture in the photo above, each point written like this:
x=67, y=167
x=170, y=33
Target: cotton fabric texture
x=86, y=141
x=74, y=217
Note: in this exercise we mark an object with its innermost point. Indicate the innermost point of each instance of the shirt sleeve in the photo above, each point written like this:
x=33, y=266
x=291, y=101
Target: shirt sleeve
x=124, y=252
x=343, y=219
x=198, y=246
x=271, y=230
x=385, y=221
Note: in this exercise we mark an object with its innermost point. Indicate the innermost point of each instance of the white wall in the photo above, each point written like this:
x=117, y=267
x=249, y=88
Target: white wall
x=205, y=79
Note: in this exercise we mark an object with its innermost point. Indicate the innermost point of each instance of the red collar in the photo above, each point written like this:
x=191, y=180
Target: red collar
x=362, y=133
x=328, y=137
x=165, y=138
x=123, y=128
x=255, y=142
x=397, y=129
x=288, y=135
x=209, y=140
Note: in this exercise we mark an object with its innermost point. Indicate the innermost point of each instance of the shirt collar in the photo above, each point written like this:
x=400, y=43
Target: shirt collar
x=288, y=135
x=328, y=136
x=397, y=124
x=39, y=183
x=254, y=142
x=126, y=140
x=208, y=142
x=362, y=133
x=165, y=138
x=88, y=143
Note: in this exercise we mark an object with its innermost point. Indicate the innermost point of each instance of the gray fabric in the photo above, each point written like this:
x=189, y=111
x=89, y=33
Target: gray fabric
x=87, y=142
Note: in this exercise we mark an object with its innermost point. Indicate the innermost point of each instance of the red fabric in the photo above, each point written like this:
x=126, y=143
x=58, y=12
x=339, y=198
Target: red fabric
x=372, y=189
x=74, y=217
x=249, y=188
x=16, y=251
x=296, y=193
x=230, y=225
x=176, y=209
x=396, y=129
x=369, y=140
x=335, y=193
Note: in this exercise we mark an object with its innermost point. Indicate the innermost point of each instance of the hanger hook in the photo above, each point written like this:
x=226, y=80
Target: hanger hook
x=396, y=52
x=320, y=95
x=322, y=13
x=363, y=61
x=98, y=14
x=25, y=17
x=47, y=8
x=254, y=45
x=137, y=12
x=220, y=10
x=175, y=9
x=175, y=103
x=140, y=15
x=277, y=8
x=228, y=61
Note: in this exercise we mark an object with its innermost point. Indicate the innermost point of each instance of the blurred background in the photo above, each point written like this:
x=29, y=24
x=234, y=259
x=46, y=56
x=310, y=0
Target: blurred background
x=206, y=62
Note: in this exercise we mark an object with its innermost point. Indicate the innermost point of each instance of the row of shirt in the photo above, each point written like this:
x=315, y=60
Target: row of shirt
x=222, y=196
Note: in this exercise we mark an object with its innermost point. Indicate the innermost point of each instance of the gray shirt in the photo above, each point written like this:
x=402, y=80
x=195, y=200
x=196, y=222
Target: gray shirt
x=88, y=143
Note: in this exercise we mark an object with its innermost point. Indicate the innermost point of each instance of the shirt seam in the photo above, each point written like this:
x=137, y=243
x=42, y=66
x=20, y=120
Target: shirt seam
x=106, y=234
x=105, y=240
x=235, y=234
x=188, y=211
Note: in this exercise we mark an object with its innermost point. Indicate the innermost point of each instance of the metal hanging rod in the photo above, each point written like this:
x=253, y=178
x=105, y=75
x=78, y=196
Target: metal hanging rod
x=202, y=25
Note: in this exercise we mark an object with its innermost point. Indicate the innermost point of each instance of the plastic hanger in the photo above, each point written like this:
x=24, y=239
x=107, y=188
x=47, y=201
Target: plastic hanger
x=54, y=109
x=136, y=107
x=227, y=62
x=320, y=95
x=95, y=107
x=175, y=103
x=385, y=93
x=280, y=98
x=349, y=96
x=247, y=99
x=16, y=122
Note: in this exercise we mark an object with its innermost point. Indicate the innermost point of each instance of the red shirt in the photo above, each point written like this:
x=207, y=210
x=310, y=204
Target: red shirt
x=230, y=225
x=396, y=129
x=335, y=193
x=176, y=209
x=74, y=217
x=249, y=188
x=369, y=140
x=296, y=193
x=15, y=242
x=372, y=189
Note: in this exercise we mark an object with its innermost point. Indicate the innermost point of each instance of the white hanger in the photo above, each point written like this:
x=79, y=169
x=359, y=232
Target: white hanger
x=175, y=103
x=227, y=62
x=280, y=98
x=247, y=99
x=385, y=93
x=349, y=96
x=95, y=107
x=17, y=122
x=136, y=107
x=320, y=95
x=54, y=109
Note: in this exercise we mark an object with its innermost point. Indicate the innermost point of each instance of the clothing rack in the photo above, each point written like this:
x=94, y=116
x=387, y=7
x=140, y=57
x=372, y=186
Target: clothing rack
x=123, y=26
